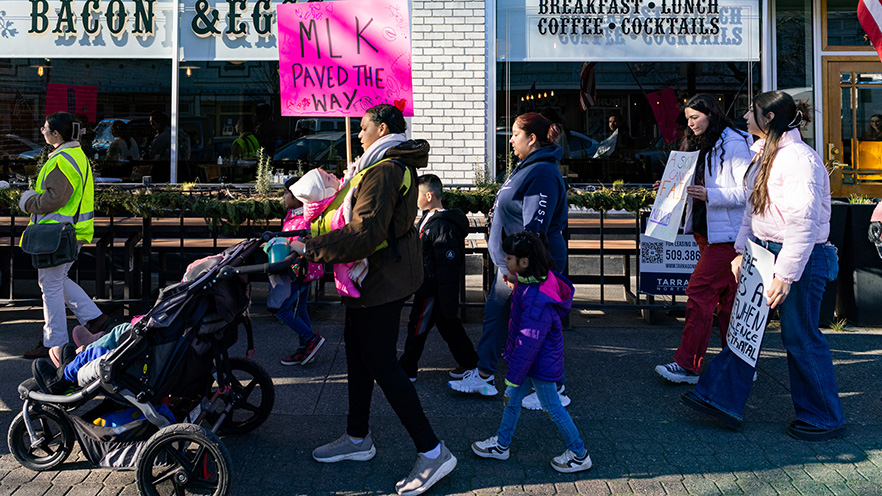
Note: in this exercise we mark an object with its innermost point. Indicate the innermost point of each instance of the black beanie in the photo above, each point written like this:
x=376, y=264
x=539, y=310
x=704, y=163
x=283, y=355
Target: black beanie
x=290, y=182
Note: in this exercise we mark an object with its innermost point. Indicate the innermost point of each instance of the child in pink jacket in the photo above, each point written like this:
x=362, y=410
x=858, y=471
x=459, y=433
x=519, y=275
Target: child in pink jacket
x=292, y=311
x=317, y=189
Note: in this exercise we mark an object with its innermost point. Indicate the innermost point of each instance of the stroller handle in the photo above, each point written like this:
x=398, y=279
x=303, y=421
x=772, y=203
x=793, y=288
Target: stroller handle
x=284, y=234
x=266, y=268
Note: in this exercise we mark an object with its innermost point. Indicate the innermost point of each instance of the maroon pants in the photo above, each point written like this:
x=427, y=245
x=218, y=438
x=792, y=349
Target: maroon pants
x=711, y=287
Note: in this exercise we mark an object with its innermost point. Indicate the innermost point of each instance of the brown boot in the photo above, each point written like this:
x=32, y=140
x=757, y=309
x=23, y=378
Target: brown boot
x=38, y=351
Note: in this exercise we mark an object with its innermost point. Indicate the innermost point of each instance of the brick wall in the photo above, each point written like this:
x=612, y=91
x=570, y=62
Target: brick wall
x=449, y=67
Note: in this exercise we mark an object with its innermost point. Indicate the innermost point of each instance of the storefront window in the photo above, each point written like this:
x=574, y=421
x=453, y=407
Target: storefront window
x=222, y=103
x=97, y=92
x=842, y=24
x=616, y=78
x=794, y=53
x=638, y=96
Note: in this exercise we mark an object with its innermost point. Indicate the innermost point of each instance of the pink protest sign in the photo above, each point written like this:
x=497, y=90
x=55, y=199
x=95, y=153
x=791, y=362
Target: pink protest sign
x=341, y=58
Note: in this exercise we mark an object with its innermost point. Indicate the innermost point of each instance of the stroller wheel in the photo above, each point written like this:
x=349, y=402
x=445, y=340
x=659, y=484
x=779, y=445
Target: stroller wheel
x=184, y=459
x=55, y=439
x=252, y=396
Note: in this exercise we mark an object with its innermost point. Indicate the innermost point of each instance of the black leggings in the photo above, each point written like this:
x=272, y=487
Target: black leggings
x=371, y=338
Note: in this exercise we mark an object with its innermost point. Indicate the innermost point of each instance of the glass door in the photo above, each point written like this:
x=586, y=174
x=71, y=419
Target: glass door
x=853, y=115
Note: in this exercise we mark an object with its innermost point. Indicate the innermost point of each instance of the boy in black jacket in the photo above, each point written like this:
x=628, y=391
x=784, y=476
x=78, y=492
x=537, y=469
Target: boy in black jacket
x=436, y=303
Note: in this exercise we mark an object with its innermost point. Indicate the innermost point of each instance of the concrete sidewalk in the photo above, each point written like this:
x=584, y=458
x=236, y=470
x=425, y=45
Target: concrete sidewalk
x=642, y=441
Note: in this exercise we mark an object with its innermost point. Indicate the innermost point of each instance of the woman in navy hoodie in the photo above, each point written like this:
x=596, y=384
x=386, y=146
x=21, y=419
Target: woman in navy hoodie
x=533, y=198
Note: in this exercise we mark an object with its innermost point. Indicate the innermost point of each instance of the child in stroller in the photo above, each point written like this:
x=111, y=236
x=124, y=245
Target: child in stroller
x=176, y=360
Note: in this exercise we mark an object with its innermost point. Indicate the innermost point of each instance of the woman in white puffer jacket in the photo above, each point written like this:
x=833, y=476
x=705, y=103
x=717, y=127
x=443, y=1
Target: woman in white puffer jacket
x=714, y=211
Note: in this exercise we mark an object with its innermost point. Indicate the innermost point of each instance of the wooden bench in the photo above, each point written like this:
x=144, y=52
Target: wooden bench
x=621, y=247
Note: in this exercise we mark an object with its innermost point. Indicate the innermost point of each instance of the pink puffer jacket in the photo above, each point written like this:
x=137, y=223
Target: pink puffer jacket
x=295, y=222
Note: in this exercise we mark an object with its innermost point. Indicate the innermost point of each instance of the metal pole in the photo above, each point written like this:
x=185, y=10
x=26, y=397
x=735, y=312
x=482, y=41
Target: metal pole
x=175, y=90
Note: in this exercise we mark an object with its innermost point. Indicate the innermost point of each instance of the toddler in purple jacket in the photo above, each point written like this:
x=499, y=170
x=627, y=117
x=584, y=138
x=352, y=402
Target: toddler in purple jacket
x=534, y=349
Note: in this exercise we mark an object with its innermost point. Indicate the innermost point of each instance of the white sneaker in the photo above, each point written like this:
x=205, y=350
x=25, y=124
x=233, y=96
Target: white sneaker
x=490, y=448
x=568, y=462
x=531, y=401
x=472, y=382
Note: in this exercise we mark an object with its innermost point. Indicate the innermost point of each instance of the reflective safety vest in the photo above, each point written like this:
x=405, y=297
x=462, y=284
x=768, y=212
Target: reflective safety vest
x=72, y=162
x=248, y=145
x=322, y=224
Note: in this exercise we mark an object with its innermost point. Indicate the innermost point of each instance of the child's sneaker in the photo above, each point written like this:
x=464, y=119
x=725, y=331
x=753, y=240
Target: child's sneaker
x=312, y=348
x=84, y=337
x=677, y=374
x=295, y=358
x=490, y=448
x=568, y=462
x=531, y=401
x=472, y=382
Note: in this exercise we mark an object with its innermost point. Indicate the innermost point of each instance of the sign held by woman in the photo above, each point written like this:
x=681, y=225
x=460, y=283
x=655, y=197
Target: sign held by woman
x=342, y=58
x=664, y=220
x=750, y=313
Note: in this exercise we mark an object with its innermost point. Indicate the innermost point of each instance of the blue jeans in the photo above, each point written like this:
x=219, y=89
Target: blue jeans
x=496, y=314
x=727, y=381
x=550, y=401
x=294, y=315
x=497, y=310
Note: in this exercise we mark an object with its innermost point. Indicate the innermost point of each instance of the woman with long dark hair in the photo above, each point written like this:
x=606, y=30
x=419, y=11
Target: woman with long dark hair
x=713, y=214
x=788, y=213
x=64, y=192
x=533, y=198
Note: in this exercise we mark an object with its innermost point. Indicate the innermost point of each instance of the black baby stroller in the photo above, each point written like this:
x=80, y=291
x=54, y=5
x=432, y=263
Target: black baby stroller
x=174, y=360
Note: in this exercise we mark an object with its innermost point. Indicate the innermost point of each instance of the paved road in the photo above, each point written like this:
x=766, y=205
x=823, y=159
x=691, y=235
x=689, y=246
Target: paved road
x=641, y=439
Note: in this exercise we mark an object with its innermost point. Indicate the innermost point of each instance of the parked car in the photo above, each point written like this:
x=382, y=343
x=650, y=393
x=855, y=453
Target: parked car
x=580, y=146
x=310, y=125
x=13, y=147
x=198, y=128
x=655, y=156
x=325, y=150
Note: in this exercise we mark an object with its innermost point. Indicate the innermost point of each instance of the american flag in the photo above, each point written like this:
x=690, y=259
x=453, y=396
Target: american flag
x=587, y=88
x=870, y=16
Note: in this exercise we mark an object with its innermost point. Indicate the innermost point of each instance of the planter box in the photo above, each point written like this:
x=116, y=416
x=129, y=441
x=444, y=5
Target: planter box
x=860, y=271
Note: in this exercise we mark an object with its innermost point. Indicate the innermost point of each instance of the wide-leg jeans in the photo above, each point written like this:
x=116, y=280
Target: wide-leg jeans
x=727, y=381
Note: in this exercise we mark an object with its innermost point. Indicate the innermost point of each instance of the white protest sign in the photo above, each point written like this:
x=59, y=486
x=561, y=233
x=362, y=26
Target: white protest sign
x=664, y=220
x=750, y=313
